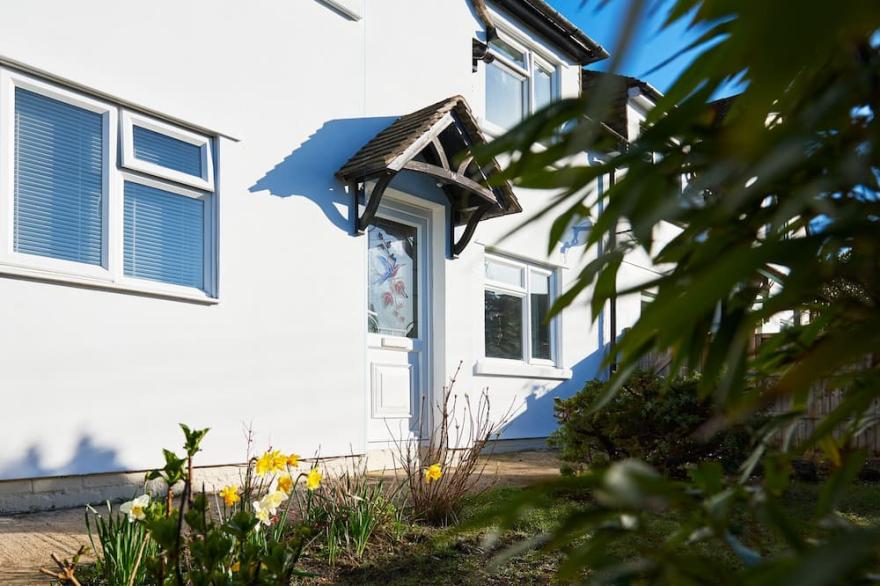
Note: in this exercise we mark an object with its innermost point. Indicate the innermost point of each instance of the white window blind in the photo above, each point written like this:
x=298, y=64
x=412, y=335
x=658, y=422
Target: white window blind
x=164, y=236
x=58, y=181
x=168, y=152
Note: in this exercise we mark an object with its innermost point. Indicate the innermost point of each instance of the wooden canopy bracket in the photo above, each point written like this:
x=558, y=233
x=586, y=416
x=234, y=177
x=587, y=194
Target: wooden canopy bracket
x=372, y=201
x=452, y=178
x=470, y=228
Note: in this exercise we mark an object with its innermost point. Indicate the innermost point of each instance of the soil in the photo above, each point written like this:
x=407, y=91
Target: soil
x=26, y=540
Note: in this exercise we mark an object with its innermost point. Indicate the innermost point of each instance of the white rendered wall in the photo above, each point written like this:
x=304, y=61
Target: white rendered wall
x=96, y=381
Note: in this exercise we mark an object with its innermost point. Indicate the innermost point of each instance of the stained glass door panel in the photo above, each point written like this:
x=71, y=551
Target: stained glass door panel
x=393, y=279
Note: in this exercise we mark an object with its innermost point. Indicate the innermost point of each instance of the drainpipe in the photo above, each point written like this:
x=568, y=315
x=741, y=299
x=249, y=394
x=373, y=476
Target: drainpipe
x=486, y=19
x=612, y=310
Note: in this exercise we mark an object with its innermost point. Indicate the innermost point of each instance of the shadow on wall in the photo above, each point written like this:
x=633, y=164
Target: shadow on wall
x=88, y=458
x=309, y=170
x=536, y=416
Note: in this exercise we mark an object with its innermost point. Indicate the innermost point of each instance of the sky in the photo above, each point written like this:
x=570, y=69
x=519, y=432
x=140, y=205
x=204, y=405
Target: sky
x=651, y=45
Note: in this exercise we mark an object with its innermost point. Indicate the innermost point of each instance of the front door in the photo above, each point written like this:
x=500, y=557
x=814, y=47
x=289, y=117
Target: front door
x=398, y=325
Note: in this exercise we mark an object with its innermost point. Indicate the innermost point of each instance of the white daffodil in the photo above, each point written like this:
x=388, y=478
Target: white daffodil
x=135, y=509
x=266, y=507
x=262, y=513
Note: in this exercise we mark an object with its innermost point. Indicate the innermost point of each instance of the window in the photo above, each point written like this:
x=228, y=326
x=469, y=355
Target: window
x=78, y=214
x=164, y=235
x=518, y=82
x=166, y=151
x=58, y=179
x=517, y=300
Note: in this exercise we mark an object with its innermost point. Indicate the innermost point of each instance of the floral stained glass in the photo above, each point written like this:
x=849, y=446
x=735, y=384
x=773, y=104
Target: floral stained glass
x=392, y=286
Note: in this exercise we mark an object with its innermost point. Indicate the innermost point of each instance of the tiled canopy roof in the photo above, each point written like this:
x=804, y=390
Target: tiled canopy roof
x=441, y=133
x=619, y=86
x=392, y=142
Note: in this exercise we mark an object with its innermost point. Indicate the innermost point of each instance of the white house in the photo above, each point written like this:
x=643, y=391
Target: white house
x=180, y=242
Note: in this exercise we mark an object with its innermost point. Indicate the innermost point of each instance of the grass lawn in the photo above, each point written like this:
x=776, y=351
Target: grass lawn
x=427, y=555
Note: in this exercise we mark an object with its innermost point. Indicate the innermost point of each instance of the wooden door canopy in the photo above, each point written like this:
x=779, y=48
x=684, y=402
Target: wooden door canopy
x=434, y=141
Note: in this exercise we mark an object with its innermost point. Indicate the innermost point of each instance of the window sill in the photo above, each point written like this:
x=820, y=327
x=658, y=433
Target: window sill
x=135, y=288
x=512, y=368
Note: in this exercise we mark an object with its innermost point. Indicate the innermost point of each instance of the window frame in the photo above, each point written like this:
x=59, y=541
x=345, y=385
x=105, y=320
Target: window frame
x=534, y=59
x=523, y=292
x=540, y=63
x=208, y=266
x=9, y=82
x=129, y=120
x=110, y=274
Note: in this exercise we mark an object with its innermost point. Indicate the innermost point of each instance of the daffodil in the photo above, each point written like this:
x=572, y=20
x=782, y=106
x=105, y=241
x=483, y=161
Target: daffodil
x=313, y=479
x=262, y=513
x=293, y=460
x=136, y=509
x=270, y=462
x=279, y=461
x=285, y=483
x=266, y=507
x=230, y=495
x=274, y=499
x=264, y=464
x=433, y=472
x=236, y=566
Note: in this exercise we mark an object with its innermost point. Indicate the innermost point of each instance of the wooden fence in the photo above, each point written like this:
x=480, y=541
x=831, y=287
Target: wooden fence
x=823, y=400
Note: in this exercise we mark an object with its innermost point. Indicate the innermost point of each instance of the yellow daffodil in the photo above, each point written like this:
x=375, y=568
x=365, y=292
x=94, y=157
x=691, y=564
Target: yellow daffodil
x=285, y=483
x=433, y=472
x=270, y=462
x=293, y=460
x=230, y=495
x=236, y=566
x=136, y=509
x=313, y=479
x=264, y=464
x=274, y=499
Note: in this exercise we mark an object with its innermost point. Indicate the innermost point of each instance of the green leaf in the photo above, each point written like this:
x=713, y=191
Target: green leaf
x=842, y=478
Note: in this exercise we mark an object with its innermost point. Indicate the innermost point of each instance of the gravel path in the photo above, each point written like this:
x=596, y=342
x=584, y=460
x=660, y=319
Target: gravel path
x=27, y=540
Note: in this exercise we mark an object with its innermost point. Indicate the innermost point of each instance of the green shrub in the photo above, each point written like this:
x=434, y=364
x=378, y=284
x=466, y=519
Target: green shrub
x=652, y=419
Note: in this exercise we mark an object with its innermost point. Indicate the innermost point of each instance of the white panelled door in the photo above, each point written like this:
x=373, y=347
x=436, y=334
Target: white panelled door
x=398, y=322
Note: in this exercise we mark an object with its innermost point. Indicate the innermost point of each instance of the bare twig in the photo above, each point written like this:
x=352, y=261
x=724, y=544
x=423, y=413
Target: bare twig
x=67, y=568
x=459, y=441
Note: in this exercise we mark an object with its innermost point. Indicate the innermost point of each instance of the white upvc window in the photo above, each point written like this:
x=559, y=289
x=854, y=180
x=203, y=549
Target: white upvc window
x=516, y=300
x=71, y=212
x=519, y=82
x=166, y=151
